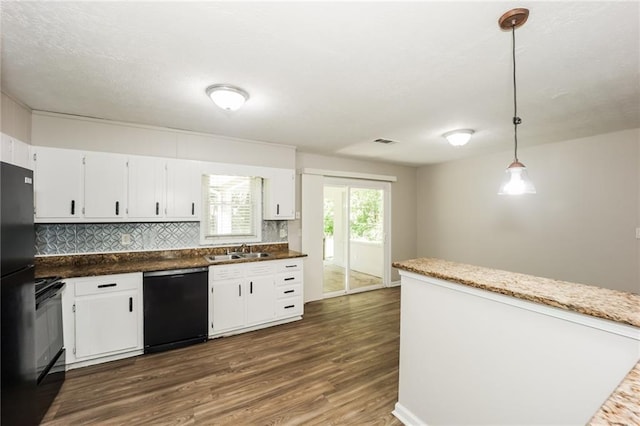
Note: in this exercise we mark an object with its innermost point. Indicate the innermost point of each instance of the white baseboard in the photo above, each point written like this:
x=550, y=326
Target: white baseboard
x=406, y=416
x=101, y=360
x=395, y=283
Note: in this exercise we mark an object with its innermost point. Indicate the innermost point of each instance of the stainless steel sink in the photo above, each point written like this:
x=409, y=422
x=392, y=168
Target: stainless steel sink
x=222, y=257
x=234, y=256
x=254, y=255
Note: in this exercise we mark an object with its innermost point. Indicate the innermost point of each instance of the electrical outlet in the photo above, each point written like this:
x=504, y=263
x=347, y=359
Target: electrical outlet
x=125, y=239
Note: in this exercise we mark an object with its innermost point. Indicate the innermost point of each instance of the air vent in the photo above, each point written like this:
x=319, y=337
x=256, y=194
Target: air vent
x=384, y=141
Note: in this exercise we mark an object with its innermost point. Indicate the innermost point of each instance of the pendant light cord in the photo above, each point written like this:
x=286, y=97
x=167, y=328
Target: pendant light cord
x=516, y=120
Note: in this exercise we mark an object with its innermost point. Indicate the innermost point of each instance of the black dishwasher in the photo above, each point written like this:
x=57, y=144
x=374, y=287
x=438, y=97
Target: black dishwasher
x=175, y=308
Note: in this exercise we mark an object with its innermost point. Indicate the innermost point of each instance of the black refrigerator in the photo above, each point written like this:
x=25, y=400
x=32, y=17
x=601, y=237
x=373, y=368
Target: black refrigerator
x=17, y=295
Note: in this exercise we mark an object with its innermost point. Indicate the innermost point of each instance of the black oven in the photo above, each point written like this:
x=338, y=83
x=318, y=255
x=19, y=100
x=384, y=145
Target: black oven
x=49, y=342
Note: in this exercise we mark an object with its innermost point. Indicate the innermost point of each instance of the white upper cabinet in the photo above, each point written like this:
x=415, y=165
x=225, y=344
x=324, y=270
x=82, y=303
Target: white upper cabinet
x=105, y=186
x=77, y=186
x=58, y=184
x=14, y=151
x=184, y=183
x=146, y=188
x=279, y=189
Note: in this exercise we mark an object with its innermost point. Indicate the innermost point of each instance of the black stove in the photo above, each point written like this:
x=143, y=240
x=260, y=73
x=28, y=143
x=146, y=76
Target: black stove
x=49, y=342
x=43, y=284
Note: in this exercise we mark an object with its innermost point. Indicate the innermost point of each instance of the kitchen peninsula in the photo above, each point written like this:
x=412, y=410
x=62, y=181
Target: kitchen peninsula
x=483, y=346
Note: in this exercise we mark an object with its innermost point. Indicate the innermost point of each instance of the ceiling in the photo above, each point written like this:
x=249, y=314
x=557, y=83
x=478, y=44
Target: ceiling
x=330, y=77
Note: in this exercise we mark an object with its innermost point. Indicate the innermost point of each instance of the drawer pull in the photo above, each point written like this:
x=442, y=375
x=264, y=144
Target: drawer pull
x=107, y=285
x=290, y=306
x=289, y=291
x=290, y=278
x=251, y=287
x=291, y=266
x=239, y=290
x=131, y=304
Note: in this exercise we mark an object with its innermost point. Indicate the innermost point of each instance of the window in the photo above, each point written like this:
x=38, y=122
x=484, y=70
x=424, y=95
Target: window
x=232, y=209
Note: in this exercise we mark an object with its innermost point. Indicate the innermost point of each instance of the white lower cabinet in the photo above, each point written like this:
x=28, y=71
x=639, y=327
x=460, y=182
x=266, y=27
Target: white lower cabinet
x=226, y=305
x=103, y=318
x=252, y=295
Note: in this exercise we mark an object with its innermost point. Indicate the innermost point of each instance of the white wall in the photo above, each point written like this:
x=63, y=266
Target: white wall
x=579, y=227
x=15, y=119
x=403, y=200
x=67, y=131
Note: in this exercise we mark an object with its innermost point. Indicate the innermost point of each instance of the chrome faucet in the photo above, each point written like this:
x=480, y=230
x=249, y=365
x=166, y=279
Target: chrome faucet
x=244, y=248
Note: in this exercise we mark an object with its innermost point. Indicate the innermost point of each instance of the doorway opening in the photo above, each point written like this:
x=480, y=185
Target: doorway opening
x=355, y=229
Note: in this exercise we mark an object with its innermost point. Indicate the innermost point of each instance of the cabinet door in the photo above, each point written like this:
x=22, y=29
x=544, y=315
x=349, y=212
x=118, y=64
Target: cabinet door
x=183, y=189
x=105, y=186
x=260, y=299
x=227, y=305
x=57, y=184
x=279, y=195
x=146, y=188
x=106, y=323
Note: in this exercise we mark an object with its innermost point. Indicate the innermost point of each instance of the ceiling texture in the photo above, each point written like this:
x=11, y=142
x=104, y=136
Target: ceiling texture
x=331, y=77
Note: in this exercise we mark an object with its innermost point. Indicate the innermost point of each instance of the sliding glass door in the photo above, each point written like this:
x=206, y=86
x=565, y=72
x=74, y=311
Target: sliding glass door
x=354, y=235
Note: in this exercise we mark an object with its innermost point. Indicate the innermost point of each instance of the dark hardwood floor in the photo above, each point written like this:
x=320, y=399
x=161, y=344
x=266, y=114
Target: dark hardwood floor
x=339, y=365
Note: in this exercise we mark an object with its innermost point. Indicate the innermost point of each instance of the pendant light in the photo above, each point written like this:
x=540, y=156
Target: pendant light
x=516, y=181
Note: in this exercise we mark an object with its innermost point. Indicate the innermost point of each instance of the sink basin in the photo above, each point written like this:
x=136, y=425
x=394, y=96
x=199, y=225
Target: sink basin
x=254, y=255
x=234, y=256
x=221, y=257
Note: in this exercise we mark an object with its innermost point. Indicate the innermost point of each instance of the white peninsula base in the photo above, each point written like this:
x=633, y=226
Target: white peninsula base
x=470, y=356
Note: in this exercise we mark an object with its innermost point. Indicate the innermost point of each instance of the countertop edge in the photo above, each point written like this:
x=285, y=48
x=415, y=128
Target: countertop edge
x=123, y=267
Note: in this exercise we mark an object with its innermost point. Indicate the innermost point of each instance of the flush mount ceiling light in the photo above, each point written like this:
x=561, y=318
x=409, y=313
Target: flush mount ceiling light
x=459, y=137
x=516, y=180
x=227, y=97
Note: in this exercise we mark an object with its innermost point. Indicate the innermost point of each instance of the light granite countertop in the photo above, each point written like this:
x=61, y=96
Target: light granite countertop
x=623, y=406
x=590, y=300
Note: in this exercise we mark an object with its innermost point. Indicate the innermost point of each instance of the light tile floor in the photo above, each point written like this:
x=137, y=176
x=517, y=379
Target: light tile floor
x=334, y=279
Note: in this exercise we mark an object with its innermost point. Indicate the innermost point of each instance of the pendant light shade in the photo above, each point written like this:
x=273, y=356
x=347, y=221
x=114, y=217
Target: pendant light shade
x=516, y=180
x=227, y=97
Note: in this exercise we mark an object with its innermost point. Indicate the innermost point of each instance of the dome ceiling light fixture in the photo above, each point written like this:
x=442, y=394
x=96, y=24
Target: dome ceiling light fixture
x=227, y=96
x=458, y=137
x=516, y=180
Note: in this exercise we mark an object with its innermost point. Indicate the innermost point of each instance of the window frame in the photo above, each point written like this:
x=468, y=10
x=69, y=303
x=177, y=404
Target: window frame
x=256, y=192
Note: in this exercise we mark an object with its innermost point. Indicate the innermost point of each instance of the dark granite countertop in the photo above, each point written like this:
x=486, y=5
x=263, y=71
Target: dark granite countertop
x=118, y=263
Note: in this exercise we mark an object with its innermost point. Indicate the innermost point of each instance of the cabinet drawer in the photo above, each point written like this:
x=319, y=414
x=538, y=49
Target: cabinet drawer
x=289, y=291
x=108, y=284
x=225, y=272
x=294, y=277
x=259, y=268
x=289, y=265
x=289, y=307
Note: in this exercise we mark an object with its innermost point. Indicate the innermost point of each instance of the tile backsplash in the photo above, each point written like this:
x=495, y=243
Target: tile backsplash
x=75, y=238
